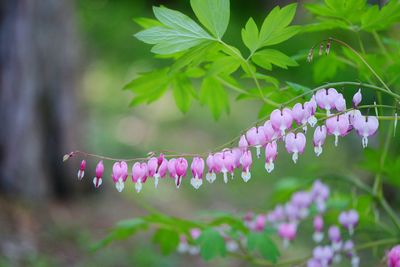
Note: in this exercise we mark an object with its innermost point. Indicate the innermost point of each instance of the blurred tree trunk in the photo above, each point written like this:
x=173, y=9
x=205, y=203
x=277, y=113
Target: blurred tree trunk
x=38, y=78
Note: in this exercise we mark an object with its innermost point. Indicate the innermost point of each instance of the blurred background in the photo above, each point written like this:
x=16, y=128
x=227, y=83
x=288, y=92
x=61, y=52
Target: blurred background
x=62, y=66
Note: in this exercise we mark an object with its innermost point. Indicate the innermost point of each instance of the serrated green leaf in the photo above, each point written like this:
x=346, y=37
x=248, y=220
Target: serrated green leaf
x=122, y=230
x=214, y=15
x=250, y=35
x=268, y=57
x=214, y=96
x=168, y=240
x=375, y=19
x=183, y=92
x=179, y=21
x=273, y=29
x=212, y=244
x=262, y=243
x=195, y=56
x=178, y=33
x=149, y=86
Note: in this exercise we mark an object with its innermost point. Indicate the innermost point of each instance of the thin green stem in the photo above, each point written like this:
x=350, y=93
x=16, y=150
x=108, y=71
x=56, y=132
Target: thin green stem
x=363, y=60
x=252, y=74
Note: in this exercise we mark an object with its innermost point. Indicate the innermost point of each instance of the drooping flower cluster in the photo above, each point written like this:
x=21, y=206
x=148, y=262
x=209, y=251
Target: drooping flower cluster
x=286, y=219
x=284, y=125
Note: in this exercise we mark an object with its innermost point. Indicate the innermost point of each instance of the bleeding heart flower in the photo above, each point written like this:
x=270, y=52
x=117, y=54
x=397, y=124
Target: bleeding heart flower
x=246, y=161
x=318, y=223
x=357, y=98
x=197, y=171
x=335, y=237
x=181, y=165
x=311, y=106
x=301, y=114
x=243, y=144
x=340, y=103
x=81, y=171
x=97, y=180
x=210, y=176
x=271, y=151
x=120, y=174
x=287, y=231
x=338, y=126
x=365, y=127
x=326, y=99
x=256, y=137
x=349, y=220
x=295, y=143
x=269, y=132
x=319, y=139
x=281, y=120
x=393, y=257
x=139, y=175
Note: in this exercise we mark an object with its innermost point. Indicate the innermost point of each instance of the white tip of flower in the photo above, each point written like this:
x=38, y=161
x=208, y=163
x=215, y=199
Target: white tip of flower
x=80, y=174
x=246, y=176
x=225, y=177
x=305, y=128
x=337, y=258
x=97, y=182
x=138, y=186
x=328, y=112
x=355, y=261
x=318, y=237
x=337, y=246
x=336, y=139
x=295, y=157
x=211, y=177
x=318, y=150
x=364, y=141
x=286, y=243
x=193, y=250
x=183, y=247
x=269, y=166
x=156, y=180
x=232, y=246
x=351, y=230
x=258, y=151
x=312, y=121
x=196, y=182
x=120, y=185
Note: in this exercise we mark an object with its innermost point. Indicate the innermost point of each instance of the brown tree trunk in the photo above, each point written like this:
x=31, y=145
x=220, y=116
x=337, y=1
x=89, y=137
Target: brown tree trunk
x=38, y=79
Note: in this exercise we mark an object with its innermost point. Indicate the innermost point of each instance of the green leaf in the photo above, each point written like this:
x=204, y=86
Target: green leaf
x=214, y=95
x=268, y=57
x=274, y=28
x=211, y=243
x=147, y=22
x=214, y=15
x=195, y=56
x=262, y=243
x=179, y=21
x=380, y=19
x=250, y=35
x=122, y=230
x=178, y=33
x=298, y=87
x=183, y=92
x=149, y=86
x=224, y=65
x=168, y=240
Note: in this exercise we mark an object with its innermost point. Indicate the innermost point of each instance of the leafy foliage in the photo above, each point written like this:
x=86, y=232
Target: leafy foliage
x=198, y=54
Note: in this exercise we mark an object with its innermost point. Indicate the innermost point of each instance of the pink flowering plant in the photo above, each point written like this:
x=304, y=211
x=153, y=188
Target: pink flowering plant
x=292, y=117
